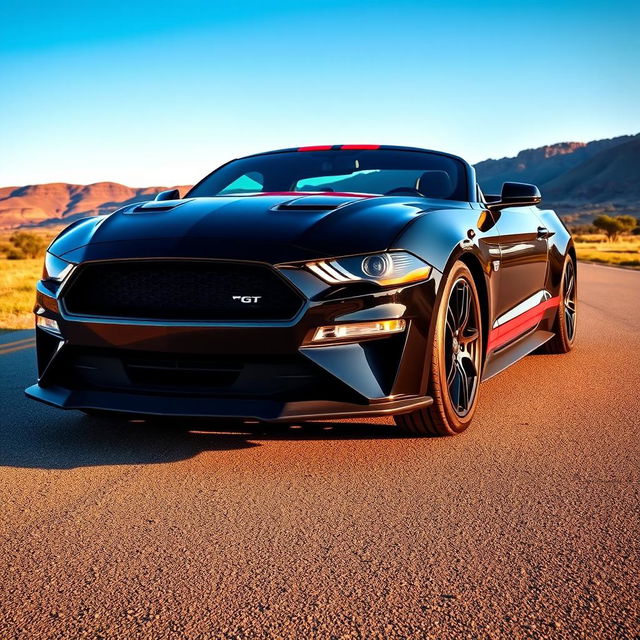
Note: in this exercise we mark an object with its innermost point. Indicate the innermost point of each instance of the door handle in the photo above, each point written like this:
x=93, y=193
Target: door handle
x=544, y=233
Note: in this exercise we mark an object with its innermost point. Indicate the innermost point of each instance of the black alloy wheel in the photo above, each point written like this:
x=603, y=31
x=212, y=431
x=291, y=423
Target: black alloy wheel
x=455, y=366
x=569, y=300
x=461, y=346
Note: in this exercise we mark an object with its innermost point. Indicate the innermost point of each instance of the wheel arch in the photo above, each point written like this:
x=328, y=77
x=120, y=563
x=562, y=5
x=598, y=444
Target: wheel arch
x=474, y=265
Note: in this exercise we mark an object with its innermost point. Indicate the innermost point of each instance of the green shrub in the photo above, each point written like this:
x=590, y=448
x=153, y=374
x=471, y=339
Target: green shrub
x=23, y=245
x=614, y=226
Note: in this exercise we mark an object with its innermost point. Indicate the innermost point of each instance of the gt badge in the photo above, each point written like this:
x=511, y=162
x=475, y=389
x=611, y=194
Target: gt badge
x=248, y=299
x=496, y=265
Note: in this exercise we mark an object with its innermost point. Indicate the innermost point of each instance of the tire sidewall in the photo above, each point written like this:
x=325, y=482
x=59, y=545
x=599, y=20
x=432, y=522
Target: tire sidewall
x=438, y=385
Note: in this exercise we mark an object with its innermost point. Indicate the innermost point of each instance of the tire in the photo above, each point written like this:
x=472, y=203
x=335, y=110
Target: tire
x=565, y=324
x=456, y=363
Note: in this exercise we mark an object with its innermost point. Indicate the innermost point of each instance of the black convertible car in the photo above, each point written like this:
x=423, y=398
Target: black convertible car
x=306, y=284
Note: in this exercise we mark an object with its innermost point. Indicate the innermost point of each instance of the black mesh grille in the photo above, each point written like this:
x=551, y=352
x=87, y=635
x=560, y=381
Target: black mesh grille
x=182, y=290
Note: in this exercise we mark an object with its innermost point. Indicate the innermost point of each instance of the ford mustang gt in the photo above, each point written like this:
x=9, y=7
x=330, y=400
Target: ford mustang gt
x=312, y=283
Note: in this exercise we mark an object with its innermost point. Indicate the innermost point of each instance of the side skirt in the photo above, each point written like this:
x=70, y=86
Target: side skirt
x=518, y=350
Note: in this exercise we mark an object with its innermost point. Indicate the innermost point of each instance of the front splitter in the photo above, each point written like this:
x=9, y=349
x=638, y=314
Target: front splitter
x=232, y=408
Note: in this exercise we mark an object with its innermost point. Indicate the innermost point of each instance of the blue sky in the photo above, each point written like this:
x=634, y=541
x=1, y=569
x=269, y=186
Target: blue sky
x=162, y=92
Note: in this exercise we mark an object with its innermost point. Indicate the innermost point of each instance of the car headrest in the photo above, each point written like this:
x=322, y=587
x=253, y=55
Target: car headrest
x=435, y=184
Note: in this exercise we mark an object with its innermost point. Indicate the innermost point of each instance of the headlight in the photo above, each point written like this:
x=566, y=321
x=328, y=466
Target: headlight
x=55, y=268
x=395, y=267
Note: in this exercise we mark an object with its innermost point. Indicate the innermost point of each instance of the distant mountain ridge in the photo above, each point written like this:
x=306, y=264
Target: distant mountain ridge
x=578, y=179
x=61, y=203
x=574, y=175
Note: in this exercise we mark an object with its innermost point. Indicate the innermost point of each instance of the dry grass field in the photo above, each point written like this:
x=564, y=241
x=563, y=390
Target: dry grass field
x=17, y=292
x=625, y=252
x=18, y=277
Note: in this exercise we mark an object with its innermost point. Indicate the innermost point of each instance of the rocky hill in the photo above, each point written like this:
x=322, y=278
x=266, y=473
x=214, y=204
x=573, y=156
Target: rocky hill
x=579, y=179
x=58, y=202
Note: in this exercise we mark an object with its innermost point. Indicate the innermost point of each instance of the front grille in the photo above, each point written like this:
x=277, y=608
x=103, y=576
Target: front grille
x=182, y=291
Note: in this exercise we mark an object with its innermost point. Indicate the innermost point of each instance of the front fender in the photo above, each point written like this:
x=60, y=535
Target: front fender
x=443, y=237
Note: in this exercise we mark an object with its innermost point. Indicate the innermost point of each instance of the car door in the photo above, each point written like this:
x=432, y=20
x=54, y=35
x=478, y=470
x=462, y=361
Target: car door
x=523, y=258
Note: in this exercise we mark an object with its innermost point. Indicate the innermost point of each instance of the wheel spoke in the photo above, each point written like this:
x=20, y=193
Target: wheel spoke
x=462, y=352
x=455, y=388
x=570, y=285
x=469, y=336
x=569, y=321
x=463, y=405
x=570, y=300
x=465, y=307
x=452, y=370
x=451, y=321
x=469, y=365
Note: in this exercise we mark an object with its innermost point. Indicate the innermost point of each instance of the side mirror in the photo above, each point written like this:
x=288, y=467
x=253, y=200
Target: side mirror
x=517, y=194
x=170, y=194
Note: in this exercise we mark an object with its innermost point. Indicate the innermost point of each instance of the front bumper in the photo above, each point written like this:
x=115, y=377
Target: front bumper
x=266, y=372
x=220, y=408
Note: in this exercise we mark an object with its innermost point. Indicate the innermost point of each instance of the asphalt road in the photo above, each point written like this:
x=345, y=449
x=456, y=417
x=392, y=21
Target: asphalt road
x=524, y=527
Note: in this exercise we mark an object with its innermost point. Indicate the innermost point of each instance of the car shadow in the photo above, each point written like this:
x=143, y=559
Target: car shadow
x=82, y=441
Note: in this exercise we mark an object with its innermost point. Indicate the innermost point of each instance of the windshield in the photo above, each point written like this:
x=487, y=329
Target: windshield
x=380, y=172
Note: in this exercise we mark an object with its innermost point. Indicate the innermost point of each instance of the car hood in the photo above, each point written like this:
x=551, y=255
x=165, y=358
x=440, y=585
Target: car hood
x=271, y=228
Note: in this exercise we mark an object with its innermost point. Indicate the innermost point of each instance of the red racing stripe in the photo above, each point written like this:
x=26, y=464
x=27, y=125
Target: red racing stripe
x=346, y=147
x=360, y=146
x=519, y=325
x=304, y=194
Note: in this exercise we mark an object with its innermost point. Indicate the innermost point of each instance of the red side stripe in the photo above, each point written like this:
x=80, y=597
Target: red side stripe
x=322, y=147
x=520, y=324
x=360, y=146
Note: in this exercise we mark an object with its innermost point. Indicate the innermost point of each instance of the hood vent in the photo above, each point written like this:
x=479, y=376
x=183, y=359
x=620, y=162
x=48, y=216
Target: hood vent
x=315, y=203
x=156, y=205
x=302, y=206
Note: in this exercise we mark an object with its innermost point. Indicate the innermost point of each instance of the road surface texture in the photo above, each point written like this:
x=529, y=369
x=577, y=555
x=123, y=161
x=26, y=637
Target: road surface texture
x=526, y=526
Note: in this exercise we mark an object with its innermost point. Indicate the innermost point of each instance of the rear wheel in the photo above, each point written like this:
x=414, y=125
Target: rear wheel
x=456, y=362
x=566, y=321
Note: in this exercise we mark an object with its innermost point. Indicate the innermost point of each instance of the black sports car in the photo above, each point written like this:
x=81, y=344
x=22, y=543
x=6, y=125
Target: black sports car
x=304, y=284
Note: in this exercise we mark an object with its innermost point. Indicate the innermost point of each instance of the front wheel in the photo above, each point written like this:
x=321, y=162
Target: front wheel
x=456, y=362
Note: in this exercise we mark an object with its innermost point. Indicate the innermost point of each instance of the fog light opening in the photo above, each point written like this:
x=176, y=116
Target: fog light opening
x=48, y=325
x=357, y=330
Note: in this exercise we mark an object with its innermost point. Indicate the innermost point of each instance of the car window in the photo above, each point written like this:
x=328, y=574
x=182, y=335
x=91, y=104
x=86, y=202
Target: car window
x=379, y=172
x=362, y=181
x=246, y=183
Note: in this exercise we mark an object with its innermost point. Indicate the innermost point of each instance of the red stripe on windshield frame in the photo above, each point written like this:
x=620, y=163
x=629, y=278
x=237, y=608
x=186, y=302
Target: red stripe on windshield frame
x=348, y=147
x=321, y=147
x=341, y=147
